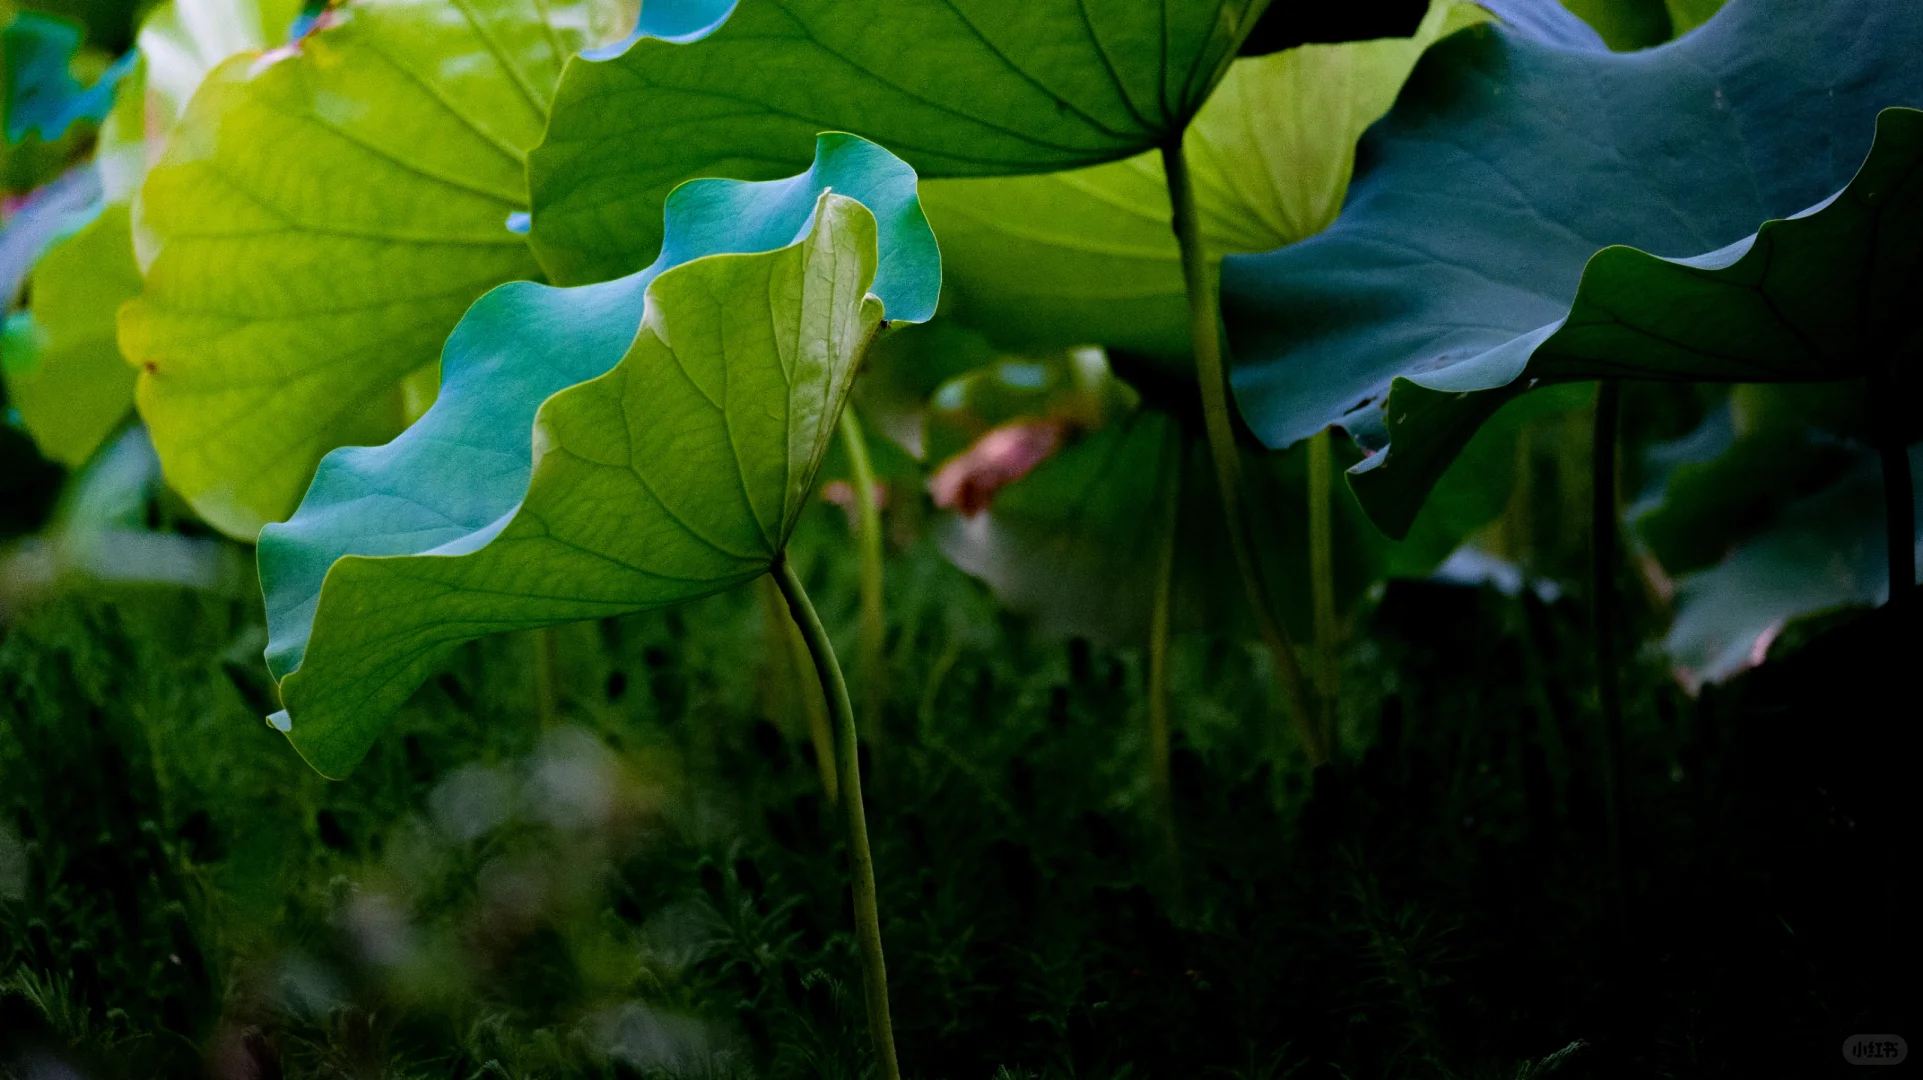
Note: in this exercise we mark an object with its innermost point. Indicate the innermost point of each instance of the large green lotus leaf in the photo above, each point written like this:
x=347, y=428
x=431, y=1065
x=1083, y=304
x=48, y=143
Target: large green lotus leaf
x=1086, y=255
x=1467, y=248
x=957, y=87
x=600, y=449
x=1823, y=552
x=63, y=367
x=320, y=219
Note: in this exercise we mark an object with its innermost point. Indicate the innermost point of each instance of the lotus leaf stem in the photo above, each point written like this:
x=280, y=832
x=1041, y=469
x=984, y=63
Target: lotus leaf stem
x=1205, y=332
x=874, y=970
x=1160, y=619
x=547, y=675
x=795, y=664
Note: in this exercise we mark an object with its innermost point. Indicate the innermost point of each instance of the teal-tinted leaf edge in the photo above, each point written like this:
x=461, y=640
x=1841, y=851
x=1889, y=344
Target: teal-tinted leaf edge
x=455, y=479
x=1433, y=414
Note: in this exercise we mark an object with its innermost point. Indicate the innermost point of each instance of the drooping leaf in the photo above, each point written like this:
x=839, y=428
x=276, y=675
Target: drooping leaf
x=1068, y=258
x=1764, y=447
x=1505, y=167
x=1823, y=552
x=575, y=468
x=1825, y=295
x=320, y=219
x=62, y=362
x=42, y=96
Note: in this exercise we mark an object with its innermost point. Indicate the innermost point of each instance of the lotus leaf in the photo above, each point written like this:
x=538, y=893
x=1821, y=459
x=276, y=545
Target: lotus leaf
x=307, y=251
x=63, y=367
x=964, y=88
x=1470, y=262
x=601, y=449
x=1086, y=255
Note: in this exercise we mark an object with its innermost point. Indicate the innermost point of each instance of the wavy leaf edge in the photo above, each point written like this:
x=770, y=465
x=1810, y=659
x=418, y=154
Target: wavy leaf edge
x=1495, y=375
x=301, y=559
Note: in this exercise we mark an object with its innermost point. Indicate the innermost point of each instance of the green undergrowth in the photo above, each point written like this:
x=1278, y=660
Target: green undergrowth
x=652, y=887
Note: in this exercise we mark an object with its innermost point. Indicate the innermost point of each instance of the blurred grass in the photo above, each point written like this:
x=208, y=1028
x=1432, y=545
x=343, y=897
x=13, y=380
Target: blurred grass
x=653, y=887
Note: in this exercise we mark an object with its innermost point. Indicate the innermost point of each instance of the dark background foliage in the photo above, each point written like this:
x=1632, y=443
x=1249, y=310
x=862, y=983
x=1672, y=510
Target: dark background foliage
x=1439, y=903
x=180, y=896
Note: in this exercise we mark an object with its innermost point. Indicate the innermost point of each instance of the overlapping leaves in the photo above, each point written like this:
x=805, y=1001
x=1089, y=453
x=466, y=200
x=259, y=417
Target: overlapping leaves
x=1086, y=255
x=1769, y=511
x=601, y=449
x=319, y=222
x=64, y=370
x=956, y=87
x=1504, y=168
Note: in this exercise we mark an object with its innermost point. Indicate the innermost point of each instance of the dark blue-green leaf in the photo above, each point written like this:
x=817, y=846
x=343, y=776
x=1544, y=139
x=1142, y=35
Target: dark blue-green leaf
x=1505, y=167
x=42, y=95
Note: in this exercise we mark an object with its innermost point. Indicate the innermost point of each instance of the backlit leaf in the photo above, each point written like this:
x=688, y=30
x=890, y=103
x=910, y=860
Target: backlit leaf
x=956, y=87
x=63, y=367
x=574, y=468
x=1087, y=255
x=321, y=218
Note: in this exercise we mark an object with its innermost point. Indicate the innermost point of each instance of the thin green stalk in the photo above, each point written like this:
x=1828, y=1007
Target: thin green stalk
x=1322, y=581
x=874, y=971
x=1603, y=514
x=873, y=642
x=1205, y=332
x=547, y=675
x=1160, y=620
x=797, y=662
x=1899, y=491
